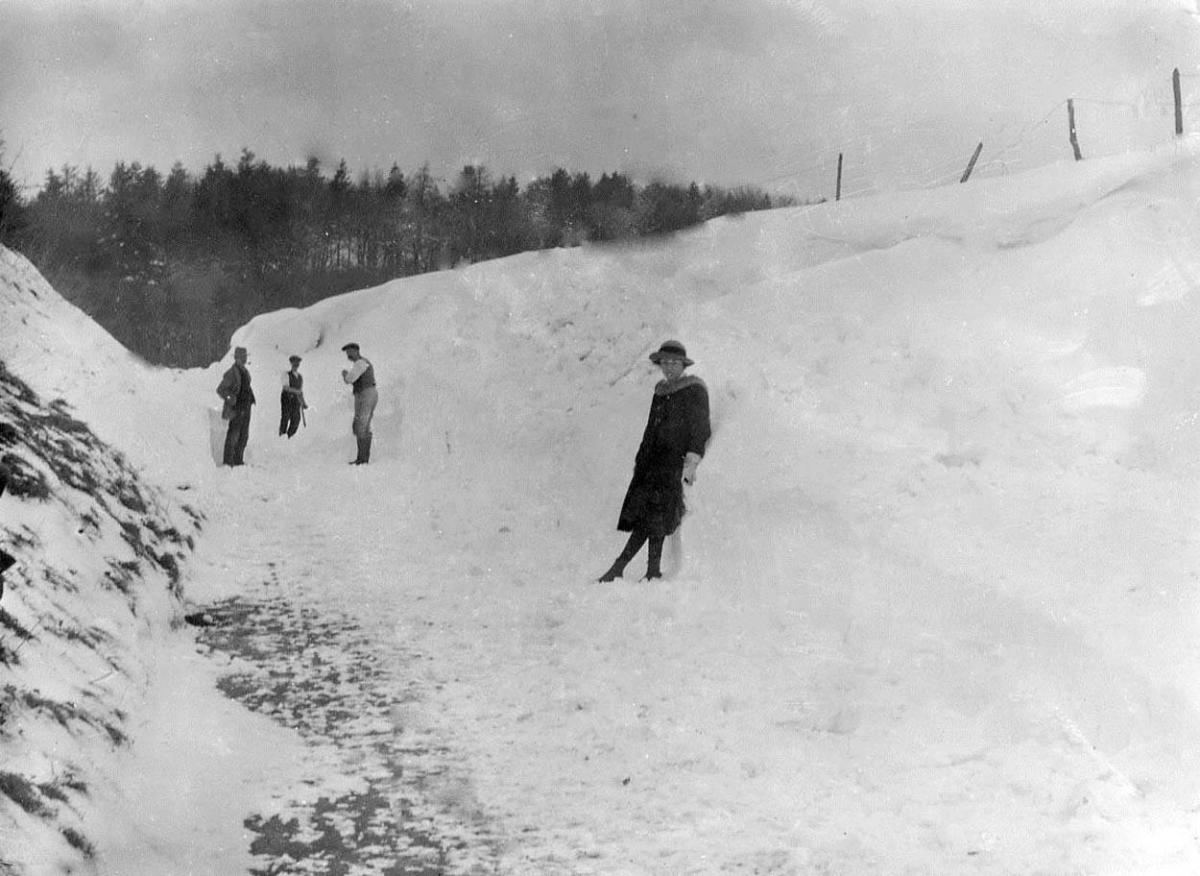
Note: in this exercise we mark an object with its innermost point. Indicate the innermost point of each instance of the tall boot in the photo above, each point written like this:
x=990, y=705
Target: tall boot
x=654, y=558
x=636, y=540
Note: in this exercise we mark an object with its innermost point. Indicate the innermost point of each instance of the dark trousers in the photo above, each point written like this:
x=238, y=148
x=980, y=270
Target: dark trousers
x=236, y=437
x=289, y=414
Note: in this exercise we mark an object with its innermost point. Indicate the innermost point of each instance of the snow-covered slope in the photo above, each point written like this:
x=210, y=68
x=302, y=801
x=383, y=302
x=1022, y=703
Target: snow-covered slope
x=933, y=608
x=90, y=653
x=61, y=353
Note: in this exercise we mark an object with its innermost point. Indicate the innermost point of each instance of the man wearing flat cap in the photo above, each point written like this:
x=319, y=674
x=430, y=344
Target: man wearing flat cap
x=361, y=376
x=234, y=388
x=291, y=399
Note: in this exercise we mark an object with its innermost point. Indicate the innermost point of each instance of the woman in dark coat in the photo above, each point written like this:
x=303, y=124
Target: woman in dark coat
x=673, y=444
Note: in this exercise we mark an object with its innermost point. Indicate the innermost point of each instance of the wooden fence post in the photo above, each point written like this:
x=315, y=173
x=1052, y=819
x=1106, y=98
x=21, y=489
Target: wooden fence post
x=838, y=196
x=1071, y=122
x=971, y=163
x=1178, y=103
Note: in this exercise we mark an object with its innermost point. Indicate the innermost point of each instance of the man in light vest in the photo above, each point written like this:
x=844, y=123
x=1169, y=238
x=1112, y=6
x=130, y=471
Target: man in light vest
x=361, y=375
x=291, y=399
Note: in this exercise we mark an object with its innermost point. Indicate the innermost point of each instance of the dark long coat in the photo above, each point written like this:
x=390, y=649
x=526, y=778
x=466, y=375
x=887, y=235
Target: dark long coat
x=678, y=425
x=235, y=389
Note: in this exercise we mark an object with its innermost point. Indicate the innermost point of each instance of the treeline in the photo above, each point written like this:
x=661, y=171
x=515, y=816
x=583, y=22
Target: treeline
x=172, y=264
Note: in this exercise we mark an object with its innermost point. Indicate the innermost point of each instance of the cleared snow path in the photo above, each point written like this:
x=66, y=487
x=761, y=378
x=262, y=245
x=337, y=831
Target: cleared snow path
x=383, y=793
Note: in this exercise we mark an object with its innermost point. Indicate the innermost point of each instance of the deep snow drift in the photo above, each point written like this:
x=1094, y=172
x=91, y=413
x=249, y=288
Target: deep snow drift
x=935, y=607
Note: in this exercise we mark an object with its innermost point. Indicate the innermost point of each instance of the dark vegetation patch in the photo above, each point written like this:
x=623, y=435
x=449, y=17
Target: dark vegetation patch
x=167, y=533
x=197, y=516
x=123, y=575
x=68, y=714
x=14, y=626
x=59, y=417
x=24, y=793
x=23, y=537
x=53, y=791
x=62, y=713
x=58, y=581
x=13, y=636
x=72, y=781
x=79, y=842
x=92, y=637
x=131, y=532
x=131, y=497
x=24, y=481
x=89, y=525
x=116, y=735
x=174, y=574
x=20, y=391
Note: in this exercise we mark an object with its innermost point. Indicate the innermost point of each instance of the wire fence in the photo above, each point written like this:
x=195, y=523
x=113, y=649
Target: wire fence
x=1104, y=127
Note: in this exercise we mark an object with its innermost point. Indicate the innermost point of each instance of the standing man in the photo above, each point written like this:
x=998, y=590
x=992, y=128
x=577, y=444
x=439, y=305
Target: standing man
x=291, y=399
x=361, y=375
x=235, y=390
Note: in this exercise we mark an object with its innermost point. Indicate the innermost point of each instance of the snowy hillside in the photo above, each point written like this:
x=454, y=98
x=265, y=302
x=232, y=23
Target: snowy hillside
x=100, y=558
x=90, y=648
x=933, y=609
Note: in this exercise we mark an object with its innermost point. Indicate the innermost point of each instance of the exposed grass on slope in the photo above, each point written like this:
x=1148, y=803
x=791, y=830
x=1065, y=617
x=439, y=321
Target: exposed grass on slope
x=99, y=538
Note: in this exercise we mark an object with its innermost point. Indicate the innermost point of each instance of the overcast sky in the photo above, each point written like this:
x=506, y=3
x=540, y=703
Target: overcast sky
x=763, y=92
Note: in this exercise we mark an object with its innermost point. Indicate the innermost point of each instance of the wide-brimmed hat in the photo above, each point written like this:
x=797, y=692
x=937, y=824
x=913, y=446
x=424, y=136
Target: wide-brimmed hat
x=295, y=359
x=671, y=350
x=349, y=346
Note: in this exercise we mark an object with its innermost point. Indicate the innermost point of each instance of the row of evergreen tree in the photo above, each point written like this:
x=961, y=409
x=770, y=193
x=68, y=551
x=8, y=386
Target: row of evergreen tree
x=172, y=264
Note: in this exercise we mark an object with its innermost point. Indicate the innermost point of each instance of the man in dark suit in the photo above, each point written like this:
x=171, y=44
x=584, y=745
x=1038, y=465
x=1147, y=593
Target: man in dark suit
x=235, y=390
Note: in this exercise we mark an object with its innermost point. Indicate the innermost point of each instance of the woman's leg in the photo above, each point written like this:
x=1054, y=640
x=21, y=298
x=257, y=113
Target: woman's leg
x=654, y=558
x=637, y=538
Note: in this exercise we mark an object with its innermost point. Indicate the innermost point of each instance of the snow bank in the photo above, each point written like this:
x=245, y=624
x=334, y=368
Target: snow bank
x=107, y=764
